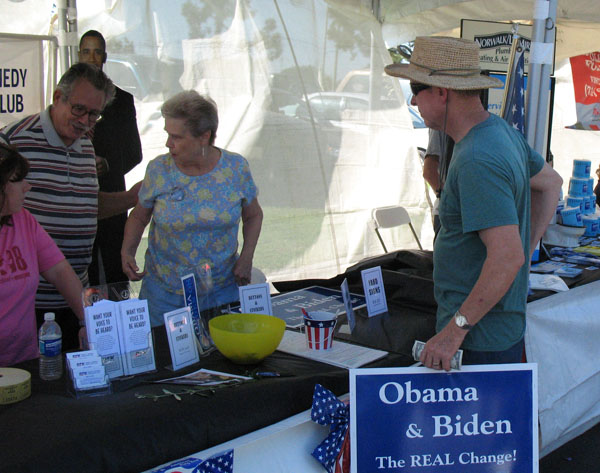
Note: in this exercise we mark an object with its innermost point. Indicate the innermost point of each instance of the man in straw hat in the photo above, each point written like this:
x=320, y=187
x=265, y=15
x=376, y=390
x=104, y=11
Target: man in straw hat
x=498, y=198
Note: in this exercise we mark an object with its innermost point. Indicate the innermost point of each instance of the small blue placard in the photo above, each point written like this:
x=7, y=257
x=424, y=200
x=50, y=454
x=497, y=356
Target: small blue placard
x=481, y=419
x=348, y=305
x=191, y=300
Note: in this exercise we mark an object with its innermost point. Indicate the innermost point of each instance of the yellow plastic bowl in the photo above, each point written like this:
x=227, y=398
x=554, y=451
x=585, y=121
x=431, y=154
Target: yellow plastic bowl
x=246, y=338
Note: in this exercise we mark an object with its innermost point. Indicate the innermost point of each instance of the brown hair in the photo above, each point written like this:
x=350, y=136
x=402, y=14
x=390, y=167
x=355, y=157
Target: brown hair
x=13, y=168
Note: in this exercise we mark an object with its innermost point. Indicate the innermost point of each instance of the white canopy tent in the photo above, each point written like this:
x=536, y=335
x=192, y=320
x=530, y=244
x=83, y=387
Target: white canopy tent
x=327, y=139
x=302, y=95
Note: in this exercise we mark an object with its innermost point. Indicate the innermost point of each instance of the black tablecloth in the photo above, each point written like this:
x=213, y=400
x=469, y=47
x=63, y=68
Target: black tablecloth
x=53, y=432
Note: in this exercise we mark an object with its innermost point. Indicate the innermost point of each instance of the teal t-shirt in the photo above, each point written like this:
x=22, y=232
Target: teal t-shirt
x=487, y=186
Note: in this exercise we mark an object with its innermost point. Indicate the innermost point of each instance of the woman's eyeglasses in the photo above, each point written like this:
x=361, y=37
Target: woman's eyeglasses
x=415, y=88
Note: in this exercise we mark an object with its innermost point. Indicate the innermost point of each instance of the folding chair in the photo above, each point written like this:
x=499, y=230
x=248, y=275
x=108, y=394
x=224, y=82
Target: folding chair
x=257, y=276
x=389, y=217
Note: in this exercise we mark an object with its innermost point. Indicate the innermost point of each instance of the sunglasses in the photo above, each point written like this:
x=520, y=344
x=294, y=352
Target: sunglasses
x=415, y=88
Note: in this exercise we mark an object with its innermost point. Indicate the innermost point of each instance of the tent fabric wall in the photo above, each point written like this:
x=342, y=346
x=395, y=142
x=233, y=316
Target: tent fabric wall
x=576, y=20
x=319, y=175
x=321, y=157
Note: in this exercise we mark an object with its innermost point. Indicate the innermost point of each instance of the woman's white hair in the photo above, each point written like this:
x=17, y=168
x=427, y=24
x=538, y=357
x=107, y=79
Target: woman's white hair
x=198, y=112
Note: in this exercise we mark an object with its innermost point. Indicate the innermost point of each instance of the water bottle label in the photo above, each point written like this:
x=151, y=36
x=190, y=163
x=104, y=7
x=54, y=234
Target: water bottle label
x=51, y=347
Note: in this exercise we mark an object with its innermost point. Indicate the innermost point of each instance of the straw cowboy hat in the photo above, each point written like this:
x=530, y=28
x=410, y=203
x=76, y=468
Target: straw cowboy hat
x=441, y=61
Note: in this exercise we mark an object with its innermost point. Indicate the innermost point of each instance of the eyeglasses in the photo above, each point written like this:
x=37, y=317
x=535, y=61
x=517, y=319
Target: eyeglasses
x=80, y=111
x=415, y=88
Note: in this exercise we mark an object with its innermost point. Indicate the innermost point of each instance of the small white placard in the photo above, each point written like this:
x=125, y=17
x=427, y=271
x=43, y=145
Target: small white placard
x=135, y=324
x=374, y=291
x=136, y=336
x=348, y=305
x=182, y=341
x=256, y=299
x=103, y=335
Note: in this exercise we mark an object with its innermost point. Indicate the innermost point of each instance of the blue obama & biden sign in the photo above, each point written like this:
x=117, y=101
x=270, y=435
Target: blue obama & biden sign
x=479, y=419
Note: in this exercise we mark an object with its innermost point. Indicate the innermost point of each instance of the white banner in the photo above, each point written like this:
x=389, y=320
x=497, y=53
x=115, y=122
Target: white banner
x=21, y=72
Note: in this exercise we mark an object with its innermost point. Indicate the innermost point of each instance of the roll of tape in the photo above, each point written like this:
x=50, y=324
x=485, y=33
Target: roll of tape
x=15, y=385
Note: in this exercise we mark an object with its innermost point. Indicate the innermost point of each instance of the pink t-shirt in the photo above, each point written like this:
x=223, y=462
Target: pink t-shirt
x=25, y=251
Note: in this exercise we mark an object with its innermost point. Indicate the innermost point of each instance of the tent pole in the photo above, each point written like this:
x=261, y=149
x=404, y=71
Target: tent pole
x=376, y=9
x=541, y=56
x=67, y=33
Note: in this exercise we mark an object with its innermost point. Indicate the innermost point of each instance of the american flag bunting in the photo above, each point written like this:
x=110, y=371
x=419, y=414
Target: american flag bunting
x=334, y=452
x=514, y=110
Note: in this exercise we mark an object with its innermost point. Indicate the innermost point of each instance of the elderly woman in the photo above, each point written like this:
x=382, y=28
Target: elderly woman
x=26, y=251
x=195, y=196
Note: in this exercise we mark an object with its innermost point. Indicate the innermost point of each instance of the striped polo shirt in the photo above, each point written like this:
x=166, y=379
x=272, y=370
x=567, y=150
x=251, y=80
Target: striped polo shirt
x=63, y=196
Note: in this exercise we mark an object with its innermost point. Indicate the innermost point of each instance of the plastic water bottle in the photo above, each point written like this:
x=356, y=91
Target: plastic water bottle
x=50, y=337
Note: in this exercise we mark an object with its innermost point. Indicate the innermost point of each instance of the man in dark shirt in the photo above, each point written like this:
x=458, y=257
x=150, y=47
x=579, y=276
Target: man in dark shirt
x=118, y=150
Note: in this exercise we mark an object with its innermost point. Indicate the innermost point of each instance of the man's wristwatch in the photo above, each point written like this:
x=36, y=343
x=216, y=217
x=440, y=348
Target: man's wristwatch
x=461, y=321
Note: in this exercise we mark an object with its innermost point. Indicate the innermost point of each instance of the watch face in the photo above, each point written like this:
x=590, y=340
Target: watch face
x=461, y=321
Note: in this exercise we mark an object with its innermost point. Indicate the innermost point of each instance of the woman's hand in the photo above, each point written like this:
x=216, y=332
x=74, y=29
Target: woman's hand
x=130, y=268
x=134, y=227
x=252, y=216
x=242, y=270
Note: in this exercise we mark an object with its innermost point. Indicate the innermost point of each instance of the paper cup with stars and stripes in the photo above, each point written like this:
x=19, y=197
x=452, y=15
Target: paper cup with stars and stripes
x=319, y=327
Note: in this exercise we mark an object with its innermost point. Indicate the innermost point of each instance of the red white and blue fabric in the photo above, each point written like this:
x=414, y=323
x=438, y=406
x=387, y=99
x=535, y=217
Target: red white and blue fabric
x=334, y=452
x=221, y=462
x=514, y=111
x=320, y=333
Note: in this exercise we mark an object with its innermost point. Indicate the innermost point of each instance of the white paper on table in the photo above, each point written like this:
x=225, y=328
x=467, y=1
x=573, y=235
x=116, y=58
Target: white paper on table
x=547, y=282
x=344, y=355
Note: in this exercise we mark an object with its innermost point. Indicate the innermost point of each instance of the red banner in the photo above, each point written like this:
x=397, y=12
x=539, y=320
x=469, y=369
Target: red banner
x=586, y=83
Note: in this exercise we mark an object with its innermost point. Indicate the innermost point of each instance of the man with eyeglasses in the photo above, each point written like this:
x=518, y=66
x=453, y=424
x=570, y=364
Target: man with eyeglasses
x=64, y=195
x=496, y=203
x=118, y=150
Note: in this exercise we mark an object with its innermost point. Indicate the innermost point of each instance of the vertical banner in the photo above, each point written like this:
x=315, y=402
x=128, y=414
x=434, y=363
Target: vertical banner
x=586, y=83
x=21, y=84
x=513, y=108
x=481, y=419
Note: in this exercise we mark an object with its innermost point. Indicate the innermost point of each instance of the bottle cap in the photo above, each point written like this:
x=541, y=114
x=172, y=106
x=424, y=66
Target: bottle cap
x=49, y=316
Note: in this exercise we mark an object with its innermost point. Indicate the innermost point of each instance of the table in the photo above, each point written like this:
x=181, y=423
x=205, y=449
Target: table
x=52, y=431
x=561, y=337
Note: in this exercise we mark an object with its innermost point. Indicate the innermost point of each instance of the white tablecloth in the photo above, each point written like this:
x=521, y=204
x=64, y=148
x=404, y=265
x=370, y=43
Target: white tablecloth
x=563, y=338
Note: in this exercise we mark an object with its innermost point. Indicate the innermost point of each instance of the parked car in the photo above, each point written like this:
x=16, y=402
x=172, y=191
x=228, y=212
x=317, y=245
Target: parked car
x=131, y=77
x=357, y=82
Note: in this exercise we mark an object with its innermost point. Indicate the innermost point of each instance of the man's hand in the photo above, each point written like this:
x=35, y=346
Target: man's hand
x=440, y=349
x=102, y=166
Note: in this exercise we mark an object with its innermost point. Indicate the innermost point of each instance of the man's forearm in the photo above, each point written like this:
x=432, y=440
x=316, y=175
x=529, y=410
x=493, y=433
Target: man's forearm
x=115, y=203
x=504, y=259
x=543, y=207
x=545, y=191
